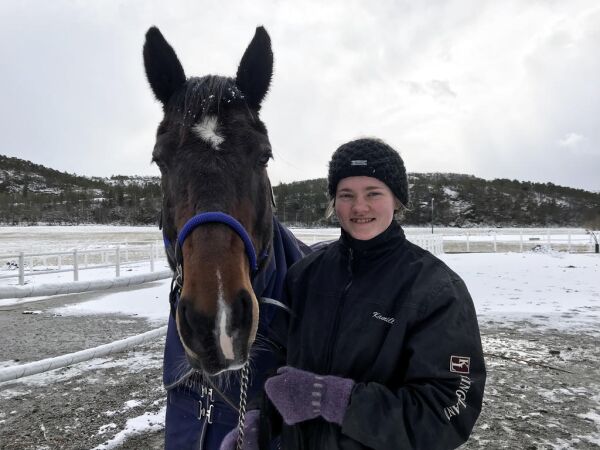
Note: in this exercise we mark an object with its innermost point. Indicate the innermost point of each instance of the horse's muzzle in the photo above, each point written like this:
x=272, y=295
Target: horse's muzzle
x=220, y=342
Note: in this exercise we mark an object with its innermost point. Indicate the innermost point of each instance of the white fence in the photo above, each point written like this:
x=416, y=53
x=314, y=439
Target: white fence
x=519, y=240
x=432, y=243
x=456, y=240
x=76, y=260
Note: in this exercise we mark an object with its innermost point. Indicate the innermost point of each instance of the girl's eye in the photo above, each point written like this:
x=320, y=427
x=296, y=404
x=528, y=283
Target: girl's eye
x=374, y=194
x=344, y=196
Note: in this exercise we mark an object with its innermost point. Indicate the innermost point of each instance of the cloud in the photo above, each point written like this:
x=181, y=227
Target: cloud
x=479, y=87
x=571, y=140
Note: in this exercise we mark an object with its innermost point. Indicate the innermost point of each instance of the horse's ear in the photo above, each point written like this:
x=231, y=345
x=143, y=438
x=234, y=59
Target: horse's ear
x=163, y=69
x=256, y=69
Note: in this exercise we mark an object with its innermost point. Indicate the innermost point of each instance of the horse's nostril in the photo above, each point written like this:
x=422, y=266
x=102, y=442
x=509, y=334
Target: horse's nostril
x=191, y=319
x=241, y=311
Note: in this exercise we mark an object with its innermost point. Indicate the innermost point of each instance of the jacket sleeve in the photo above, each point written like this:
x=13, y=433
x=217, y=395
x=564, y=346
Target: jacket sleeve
x=441, y=387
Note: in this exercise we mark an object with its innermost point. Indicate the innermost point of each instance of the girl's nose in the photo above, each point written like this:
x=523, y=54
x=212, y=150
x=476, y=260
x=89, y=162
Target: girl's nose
x=359, y=205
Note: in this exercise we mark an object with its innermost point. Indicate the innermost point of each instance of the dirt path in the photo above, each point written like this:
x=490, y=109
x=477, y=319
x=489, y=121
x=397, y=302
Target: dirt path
x=543, y=389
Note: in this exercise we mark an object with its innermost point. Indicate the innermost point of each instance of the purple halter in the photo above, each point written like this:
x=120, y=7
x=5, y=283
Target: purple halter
x=216, y=217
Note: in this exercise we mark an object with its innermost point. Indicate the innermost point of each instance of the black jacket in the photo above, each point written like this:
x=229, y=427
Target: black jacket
x=401, y=324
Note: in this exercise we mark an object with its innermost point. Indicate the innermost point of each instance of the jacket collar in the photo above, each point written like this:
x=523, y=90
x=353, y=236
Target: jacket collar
x=392, y=236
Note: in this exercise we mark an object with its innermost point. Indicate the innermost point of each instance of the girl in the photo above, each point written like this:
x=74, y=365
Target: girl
x=383, y=347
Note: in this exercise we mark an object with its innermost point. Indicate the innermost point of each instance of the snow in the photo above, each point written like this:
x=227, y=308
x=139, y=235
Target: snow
x=148, y=302
x=552, y=290
x=147, y=422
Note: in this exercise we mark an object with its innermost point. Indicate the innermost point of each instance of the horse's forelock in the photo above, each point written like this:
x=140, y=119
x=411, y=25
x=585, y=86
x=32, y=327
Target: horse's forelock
x=202, y=97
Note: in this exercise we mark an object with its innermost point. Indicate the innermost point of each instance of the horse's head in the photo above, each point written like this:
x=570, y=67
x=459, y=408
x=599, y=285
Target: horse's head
x=212, y=151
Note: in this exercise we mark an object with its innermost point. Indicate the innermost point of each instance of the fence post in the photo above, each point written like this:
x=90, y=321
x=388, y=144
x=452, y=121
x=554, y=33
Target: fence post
x=468, y=247
x=118, y=262
x=569, y=248
x=521, y=241
x=151, y=257
x=21, y=268
x=495, y=243
x=85, y=259
x=548, y=240
x=59, y=262
x=75, y=266
x=126, y=250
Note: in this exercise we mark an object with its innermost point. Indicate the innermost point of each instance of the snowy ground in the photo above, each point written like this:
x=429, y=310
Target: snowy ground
x=539, y=314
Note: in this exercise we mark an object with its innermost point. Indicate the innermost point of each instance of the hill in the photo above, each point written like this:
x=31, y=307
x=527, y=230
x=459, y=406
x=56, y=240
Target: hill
x=32, y=194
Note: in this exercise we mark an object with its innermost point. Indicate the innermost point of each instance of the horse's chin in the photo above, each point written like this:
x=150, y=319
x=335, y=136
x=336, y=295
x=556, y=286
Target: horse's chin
x=214, y=366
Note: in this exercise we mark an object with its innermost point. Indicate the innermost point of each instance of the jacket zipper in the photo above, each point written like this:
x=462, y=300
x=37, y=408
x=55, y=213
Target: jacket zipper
x=338, y=312
x=333, y=335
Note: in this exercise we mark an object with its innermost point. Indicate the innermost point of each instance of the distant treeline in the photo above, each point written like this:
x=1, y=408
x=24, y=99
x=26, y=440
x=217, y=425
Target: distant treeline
x=31, y=194
x=459, y=200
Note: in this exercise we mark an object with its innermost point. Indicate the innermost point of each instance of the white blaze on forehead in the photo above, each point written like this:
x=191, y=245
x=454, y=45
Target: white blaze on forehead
x=225, y=341
x=207, y=130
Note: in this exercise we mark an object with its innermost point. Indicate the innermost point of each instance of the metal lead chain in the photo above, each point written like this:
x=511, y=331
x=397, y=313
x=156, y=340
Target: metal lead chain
x=243, y=397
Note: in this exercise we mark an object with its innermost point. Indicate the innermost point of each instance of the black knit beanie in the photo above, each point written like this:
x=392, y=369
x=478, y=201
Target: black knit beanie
x=370, y=158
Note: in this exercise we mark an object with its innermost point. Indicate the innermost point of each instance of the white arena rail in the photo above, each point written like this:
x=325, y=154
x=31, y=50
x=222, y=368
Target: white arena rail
x=45, y=365
x=75, y=287
x=433, y=243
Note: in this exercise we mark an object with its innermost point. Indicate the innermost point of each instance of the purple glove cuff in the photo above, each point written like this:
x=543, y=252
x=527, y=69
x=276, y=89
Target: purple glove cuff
x=336, y=391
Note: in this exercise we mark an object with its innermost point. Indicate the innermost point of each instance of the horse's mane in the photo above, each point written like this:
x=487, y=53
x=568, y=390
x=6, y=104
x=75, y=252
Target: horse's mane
x=204, y=96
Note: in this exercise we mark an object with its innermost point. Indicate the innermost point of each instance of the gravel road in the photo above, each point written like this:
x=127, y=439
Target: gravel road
x=543, y=390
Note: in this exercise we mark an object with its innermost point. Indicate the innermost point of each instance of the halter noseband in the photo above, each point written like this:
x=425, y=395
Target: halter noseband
x=191, y=225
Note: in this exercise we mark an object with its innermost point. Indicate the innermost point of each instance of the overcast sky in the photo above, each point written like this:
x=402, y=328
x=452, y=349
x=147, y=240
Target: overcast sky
x=505, y=89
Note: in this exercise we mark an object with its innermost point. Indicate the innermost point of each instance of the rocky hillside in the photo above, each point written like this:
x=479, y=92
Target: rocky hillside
x=32, y=194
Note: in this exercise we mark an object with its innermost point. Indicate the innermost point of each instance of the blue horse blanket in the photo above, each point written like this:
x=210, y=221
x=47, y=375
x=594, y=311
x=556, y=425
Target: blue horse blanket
x=197, y=417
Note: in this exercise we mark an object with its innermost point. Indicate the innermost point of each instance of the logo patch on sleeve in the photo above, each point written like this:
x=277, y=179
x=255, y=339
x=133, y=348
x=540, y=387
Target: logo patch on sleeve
x=460, y=364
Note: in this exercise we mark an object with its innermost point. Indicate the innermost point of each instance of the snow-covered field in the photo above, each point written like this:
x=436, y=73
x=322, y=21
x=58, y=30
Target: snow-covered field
x=539, y=314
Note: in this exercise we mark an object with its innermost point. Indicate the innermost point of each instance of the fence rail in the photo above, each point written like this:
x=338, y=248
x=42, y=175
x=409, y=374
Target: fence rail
x=45, y=365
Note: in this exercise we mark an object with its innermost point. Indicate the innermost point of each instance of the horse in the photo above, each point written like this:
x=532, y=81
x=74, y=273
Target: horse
x=222, y=241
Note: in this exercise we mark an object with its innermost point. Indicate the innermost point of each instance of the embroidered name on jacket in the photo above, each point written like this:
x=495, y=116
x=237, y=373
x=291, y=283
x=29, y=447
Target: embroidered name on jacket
x=389, y=320
x=461, y=396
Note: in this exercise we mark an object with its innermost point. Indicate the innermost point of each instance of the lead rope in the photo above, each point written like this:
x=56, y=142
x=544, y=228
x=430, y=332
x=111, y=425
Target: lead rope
x=243, y=398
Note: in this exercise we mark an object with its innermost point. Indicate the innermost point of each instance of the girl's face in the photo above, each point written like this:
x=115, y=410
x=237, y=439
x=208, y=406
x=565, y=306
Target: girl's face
x=364, y=206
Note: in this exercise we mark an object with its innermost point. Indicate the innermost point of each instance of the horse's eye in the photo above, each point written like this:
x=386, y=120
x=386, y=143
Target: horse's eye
x=264, y=159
